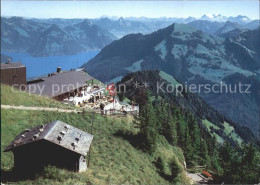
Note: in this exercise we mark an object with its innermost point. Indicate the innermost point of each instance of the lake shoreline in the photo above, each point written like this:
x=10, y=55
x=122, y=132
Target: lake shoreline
x=42, y=66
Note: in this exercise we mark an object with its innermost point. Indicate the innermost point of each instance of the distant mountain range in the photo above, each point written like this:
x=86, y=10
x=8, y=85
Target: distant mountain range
x=43, y=39
x=207, y=26
x=208, y=17
x=55, y=41
x=122, y=27
x=191, y=56
x=230, y=29
x=226, y=29
x=207, y=23
x=18, y=34
x=220, y=18
x=39, y=37
x=71, y=40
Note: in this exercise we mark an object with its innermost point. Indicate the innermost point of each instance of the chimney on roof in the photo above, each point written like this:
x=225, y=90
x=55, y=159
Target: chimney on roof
x=58, y=69
x=8, y=61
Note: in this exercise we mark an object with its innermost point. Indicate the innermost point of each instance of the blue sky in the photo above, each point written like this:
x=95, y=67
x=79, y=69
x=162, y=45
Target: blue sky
x=94, y=9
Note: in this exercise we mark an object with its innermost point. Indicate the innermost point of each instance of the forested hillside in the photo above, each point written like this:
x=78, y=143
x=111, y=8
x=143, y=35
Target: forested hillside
x=159, y=120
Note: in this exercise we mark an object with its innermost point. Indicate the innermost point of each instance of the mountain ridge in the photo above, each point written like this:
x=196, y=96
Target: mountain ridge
x=19, y=34
x=191, y=56
x=43, y=39
x=185, y=100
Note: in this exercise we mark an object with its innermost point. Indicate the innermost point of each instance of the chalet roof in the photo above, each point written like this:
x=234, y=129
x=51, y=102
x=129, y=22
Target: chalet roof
x=58, y=133
x=60, y=83
x=11, y=65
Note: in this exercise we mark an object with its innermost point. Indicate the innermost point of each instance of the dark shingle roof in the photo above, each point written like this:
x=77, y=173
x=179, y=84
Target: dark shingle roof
x=11, y=65
x=58, y=133
x=60, y=83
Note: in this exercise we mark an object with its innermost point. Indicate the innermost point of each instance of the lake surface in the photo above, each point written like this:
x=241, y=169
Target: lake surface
x=39, y=66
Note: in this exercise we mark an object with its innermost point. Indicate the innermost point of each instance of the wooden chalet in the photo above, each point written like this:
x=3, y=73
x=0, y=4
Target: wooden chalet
x=55, y=143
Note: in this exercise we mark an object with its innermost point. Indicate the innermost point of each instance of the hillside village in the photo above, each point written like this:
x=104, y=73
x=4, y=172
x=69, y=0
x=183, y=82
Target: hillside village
x=66, y=120
x=89, y=94
x=74, y=87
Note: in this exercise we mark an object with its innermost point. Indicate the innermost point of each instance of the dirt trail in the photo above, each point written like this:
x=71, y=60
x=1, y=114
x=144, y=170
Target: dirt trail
x=21, y=107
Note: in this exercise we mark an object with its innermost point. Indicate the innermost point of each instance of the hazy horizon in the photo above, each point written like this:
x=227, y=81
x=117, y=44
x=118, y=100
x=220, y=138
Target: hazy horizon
x=126, y=9
x=115, y=17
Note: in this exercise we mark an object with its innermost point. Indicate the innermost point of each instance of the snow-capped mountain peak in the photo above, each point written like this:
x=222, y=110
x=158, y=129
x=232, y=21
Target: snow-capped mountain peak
x=121, y=20
x=240, y=19
x=214, y=17
x=220, y=18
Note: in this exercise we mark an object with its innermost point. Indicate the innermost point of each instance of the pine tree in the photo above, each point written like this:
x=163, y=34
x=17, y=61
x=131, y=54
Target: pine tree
x=162, y=117
x=214, y=154
x=173, y=130
x=204, y=153
x=249, y=171
x=228, y=163
x=166, y=123
x=195, y=137
x=227, y=155
x=181, y=125
x=148, y=125
x=188, y=150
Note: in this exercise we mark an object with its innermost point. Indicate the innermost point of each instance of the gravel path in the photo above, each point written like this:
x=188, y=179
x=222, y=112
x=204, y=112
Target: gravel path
x=197, y=178
x=20, y=107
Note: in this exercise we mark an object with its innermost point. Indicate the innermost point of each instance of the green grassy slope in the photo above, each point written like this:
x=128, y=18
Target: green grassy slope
x=228, y=130
x=16, y=97
x=168, y=78
x=114, y=160
x=208, y=125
